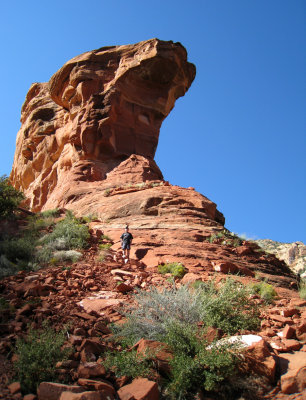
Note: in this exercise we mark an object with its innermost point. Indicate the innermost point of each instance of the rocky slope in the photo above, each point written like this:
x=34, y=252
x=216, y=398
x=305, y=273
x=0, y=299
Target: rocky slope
x=88, y=296
x=87, y=143
x=294, y=254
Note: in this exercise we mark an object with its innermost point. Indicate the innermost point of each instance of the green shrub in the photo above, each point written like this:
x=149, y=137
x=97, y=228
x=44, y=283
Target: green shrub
x=18, y=249
x=105, y=237
x=173, y=315
x=228, y=307
x=36, y=224
x=195, y=365
x=89, y=218
x=265, y=291
x=177, y=270
x=7, y=268
x=128, y=363
x=32, y=249
x=10, y=198
x=105, y=246
x=51, y=213
x=229, y=238
x=302, y=290
x=71, y=230
x=37, y=355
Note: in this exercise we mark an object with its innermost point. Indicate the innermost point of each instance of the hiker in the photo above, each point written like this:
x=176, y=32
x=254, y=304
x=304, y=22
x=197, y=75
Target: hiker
x=126, y=241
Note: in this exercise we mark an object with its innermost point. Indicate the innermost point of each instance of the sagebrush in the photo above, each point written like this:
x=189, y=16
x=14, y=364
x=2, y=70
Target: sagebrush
x=180, y=317
x=228, y=307
x=37, y=355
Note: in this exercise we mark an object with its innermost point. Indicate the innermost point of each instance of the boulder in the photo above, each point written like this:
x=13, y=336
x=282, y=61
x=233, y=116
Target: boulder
x=157, y=351
x=91, y=370
x=100, y=385
x=259, y=359
x=301, y=332
x=53, y=391
x=139, y=389
x=226, y=267
x=190, y=278
x=293, y=372
x=14, y=387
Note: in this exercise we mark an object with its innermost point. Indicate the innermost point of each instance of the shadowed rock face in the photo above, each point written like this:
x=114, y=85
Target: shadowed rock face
x=96, y=111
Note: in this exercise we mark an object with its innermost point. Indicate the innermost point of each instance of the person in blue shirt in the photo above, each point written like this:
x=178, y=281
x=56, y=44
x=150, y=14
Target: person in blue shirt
x=126, y=241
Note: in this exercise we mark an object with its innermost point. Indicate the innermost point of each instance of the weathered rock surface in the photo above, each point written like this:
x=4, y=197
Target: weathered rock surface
x=294, y=254
x=89, y=135
x=87, y=143
x=97, y=110
x=76, y=302
x=139, y=389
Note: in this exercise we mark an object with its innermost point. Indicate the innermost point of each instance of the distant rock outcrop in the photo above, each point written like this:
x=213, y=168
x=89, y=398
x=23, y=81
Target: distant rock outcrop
x=294, y=254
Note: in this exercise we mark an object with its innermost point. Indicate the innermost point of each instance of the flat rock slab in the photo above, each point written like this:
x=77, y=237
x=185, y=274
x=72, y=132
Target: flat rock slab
x=53, y=391
x=293, y=372
x=99, y=305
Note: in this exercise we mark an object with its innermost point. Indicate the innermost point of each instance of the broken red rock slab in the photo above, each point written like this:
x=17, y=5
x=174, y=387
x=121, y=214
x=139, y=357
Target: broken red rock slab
x=139, y=389
x=53, y=391
x=293, y=372
x=14, y=387
x=259, y=359
x=159, y=351
x=281, y=319
x=124, y=288
x=84, y=396
x=290, y=345
x=91, y=370
x=287, y=333
x=99, y=305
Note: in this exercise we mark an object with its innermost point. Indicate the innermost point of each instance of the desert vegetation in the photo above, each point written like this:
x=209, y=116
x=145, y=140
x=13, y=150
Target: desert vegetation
x=43, y=239
x=225, y=237
x=176, y=269
x=180, y=318
x=266, y=291
x=37, y=355
x=10, y=198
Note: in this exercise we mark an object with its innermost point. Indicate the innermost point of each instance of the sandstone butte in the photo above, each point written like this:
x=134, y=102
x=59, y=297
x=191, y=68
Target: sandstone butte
x=87, y=143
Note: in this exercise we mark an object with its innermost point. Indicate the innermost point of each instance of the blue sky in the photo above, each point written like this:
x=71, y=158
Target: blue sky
x=239, y=134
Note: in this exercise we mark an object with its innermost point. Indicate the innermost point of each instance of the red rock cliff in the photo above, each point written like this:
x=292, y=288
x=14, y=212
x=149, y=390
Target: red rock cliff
x=89, y=135
x=97, y=110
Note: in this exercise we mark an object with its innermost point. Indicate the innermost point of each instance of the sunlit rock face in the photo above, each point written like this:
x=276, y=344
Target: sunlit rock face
x=88, y=140
x=94, y=113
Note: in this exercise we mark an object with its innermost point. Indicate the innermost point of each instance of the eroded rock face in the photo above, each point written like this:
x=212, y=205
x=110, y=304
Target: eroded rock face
x=96, y=111
x=294, y=254
x=88, y=139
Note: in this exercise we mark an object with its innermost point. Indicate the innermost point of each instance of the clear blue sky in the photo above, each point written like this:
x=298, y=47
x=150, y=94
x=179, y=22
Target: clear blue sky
x=239, y=134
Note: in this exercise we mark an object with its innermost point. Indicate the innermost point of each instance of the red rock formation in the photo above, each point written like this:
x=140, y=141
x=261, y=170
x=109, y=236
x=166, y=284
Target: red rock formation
x=97, y=110
x=87, y=143
x=89, y=136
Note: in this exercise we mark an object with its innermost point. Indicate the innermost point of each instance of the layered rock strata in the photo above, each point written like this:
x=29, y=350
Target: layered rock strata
x=96, y=111
x=87, y=143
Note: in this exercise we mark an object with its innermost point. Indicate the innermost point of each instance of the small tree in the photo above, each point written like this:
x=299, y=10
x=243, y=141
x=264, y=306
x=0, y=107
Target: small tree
x=10, y=197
